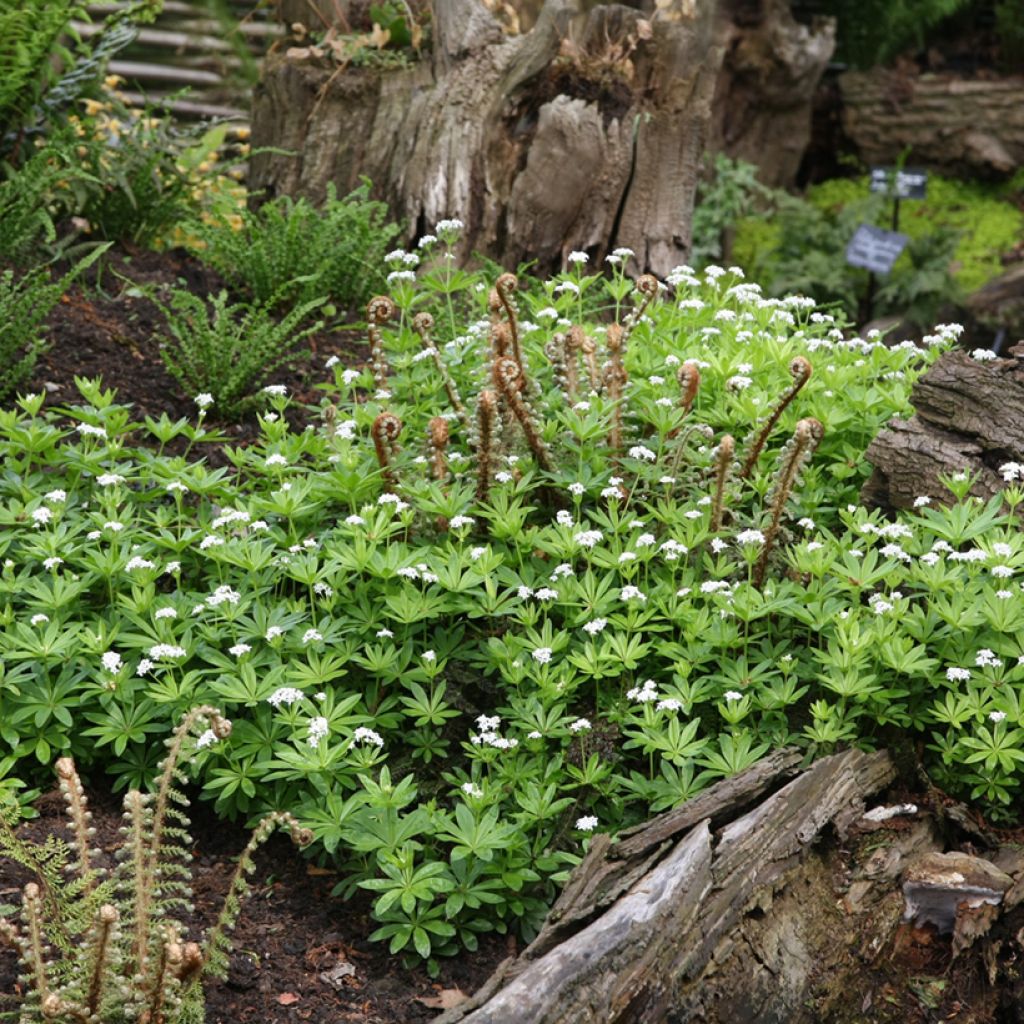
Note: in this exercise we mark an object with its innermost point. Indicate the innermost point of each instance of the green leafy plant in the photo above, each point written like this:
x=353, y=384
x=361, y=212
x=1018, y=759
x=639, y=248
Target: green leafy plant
x=455, y=645
x=103, y=946
x=288, y=251
x=227, y=350
x=25, y=301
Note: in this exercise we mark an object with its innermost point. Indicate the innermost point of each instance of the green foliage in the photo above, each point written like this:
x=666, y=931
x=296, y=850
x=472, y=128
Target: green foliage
x=25, y=302
x=871, y=32
x=30, y=31
x=957, y=237
x=452, y=664
x=227, y=350
x=121, y=954
x=728, y=194
x=288, y=251
x=45, y=67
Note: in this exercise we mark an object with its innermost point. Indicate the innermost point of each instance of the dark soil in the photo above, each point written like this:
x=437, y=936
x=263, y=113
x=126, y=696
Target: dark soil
x=299, y=955
x=104, y=328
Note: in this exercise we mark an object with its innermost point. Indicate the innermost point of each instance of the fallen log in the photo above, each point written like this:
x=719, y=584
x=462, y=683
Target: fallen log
x=968, y=126
x=969, y=416
x=654, y=928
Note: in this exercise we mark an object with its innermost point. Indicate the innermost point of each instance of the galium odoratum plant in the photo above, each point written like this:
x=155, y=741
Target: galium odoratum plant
x=103, y=947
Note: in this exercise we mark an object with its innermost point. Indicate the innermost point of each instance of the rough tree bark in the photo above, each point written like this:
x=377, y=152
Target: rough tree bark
x=765, y=91
x=584, y=133
x=670, y=923
x=970, y=415
x=964, y=126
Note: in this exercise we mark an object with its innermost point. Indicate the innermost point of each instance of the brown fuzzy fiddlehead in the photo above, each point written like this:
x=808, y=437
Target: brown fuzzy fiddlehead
x=800, y=370
x=647, y=286
x=506, y=286
x=379, y=311
x=589, y=350
x=723, y=463
x=688, y=376
x=423, y=324
x=385, y=433
x=487, y=432
x=437, y=442
x=509, y=382
x=795, y=456
x=615, y=379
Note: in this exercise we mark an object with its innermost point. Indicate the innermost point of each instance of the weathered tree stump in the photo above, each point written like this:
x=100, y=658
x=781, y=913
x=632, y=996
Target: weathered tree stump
x=584, y=133
x=969, y=415
x=966, y=126
x=675, y=921
x=765, y=91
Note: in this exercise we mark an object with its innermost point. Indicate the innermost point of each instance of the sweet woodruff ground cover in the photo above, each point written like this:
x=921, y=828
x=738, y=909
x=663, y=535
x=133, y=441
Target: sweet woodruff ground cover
x=526, y=576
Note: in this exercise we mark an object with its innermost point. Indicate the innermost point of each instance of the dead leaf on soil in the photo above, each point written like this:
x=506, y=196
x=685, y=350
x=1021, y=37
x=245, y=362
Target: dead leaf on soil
x=288, y=998
x=313, y=869
x=446, y=999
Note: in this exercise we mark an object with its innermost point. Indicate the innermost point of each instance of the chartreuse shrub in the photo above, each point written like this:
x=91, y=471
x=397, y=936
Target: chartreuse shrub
x=535, y=580
x=957, y=238
x=105, y=946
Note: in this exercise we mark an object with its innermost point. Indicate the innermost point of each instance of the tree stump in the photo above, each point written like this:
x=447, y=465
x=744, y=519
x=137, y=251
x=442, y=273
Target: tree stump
x=765, y=91
x=959, y=125
x=718, y=911
x=970, y=415
x=584, y=133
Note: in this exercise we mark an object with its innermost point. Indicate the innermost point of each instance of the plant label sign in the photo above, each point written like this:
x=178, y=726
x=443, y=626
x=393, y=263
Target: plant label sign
x=908, y=183
x=875, y=249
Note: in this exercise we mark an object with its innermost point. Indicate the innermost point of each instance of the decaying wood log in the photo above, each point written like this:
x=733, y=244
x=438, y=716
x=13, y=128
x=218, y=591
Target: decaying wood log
x=970, y=415
x=583, y=133
x=999, y=303
x=964, y=126
x=765, y=91
x=647, y=929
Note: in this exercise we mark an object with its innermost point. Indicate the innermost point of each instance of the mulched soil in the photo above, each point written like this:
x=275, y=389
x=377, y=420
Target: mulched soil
x=293, y=938
x=299, y=955
x=105, y=329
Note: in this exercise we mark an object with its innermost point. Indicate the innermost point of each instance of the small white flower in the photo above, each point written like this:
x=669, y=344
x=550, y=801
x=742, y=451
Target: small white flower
x=996, y=716
x=109, y=479
x=576, y=489
x=576, y=256
x=732, y=695
x=53, y=562
x=204, y=399
x=643, y=453
x=632, y=593
x=472, y=789
x=311, y=636
x=457, y=522
x=580, y=725
x=365, y=735
x=750, y=537
x=207, y=739
x=595, y=626
x=542, y=655
x=239, y=649
x=165, y=613
x=210, y=541
x=112, y=661
x=564, y=517
x=588, y=538
x=42, y=515
x=135, y=562
x=39, y=618
x=287, y=695
x=58, y=496
x=587, y=823
x=273, y=632
x=318, y=729
x=921, y=501
x=275, y=460
x=275, y=389
x=355, y=520
x=429, y=656
x=159, y=651
x=1003, y=572
x=546, y=594
x=145, y=666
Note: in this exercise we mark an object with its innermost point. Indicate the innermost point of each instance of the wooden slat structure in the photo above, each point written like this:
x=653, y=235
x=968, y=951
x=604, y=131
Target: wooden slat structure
x=209, y=48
